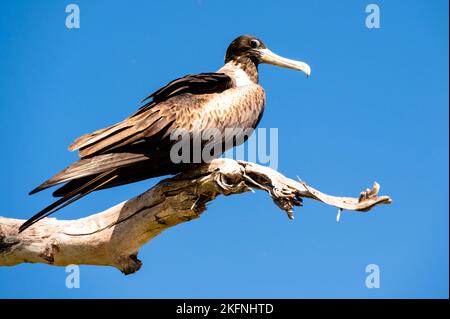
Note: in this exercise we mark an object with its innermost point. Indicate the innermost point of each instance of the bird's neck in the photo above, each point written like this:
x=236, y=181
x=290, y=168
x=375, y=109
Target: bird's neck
x=242, y=70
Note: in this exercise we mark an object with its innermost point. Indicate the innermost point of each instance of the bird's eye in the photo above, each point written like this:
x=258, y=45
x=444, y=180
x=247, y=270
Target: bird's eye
x=254, y=44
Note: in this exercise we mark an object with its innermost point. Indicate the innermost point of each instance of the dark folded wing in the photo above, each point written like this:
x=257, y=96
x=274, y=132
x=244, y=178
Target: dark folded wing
x=143, y=135
x=155, y=118
x=201, y=83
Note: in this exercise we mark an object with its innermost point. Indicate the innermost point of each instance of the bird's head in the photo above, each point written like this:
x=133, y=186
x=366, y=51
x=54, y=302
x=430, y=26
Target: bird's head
x=248, y=46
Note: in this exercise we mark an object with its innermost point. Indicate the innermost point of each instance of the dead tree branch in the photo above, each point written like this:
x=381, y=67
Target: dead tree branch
x=114, y=236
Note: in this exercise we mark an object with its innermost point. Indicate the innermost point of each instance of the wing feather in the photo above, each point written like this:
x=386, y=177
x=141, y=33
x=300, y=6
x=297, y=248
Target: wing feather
x=154, y=117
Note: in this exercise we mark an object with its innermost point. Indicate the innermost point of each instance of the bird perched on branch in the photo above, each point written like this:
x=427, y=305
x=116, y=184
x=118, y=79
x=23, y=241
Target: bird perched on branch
x=139, y=147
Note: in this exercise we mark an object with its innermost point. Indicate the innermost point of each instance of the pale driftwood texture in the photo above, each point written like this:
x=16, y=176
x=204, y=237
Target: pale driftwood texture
x=113, y=237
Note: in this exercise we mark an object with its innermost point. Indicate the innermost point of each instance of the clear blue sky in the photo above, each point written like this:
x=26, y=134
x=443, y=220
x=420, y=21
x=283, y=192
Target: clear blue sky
x=374, y=109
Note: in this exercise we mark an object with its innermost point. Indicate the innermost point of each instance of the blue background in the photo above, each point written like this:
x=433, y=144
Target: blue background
x=375, y=108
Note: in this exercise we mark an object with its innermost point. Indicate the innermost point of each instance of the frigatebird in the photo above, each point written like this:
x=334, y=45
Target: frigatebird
x=139, y=147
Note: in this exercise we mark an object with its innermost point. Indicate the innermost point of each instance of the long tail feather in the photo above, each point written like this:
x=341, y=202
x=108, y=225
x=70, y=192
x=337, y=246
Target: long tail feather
x=74, y=195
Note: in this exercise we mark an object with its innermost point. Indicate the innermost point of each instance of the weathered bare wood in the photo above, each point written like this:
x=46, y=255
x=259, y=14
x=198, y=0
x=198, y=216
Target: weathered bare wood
x=113, y=237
